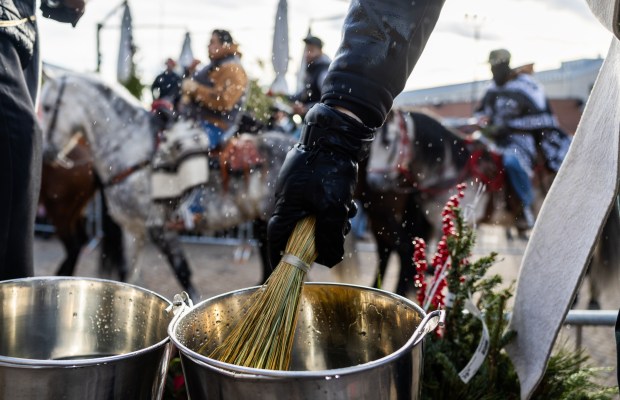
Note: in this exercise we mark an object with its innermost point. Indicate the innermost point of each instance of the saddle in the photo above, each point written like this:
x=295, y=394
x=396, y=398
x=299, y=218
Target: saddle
x=180, y=162
x=485, y=164
x=238, y=157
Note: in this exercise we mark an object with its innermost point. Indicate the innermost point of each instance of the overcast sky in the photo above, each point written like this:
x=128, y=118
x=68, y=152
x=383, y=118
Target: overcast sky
x=544, y=32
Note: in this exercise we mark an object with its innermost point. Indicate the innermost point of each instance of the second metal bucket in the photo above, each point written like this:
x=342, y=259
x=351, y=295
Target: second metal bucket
x=75, y=338
x=352, y=343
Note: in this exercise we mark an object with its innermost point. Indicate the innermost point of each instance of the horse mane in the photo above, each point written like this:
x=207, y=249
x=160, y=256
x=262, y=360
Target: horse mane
x=108, y=90
x=431, y=135
x=115, y=96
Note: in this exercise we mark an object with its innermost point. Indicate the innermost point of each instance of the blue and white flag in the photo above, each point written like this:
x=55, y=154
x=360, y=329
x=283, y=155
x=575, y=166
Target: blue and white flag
x=187, y=55
x=125, y=65
x=279, y=55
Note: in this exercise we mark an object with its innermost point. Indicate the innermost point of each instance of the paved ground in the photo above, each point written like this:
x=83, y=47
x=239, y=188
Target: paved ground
x=216, y=271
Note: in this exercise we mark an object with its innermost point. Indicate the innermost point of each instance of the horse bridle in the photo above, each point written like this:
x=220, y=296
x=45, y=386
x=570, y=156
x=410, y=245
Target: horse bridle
x=61, y=156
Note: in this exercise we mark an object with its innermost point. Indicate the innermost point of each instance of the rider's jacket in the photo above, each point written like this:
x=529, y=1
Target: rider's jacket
x=313, y=82
x=381, y=42
x=221, y=90
x=519, y=105
x=524, y=120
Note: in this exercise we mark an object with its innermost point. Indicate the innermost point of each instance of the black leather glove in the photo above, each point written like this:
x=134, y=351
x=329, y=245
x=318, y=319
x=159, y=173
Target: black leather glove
x=318, y=178
x=62, y=11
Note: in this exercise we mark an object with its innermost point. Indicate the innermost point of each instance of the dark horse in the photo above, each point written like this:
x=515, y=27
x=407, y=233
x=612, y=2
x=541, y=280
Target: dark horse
x=66, y=189
x=414, y=165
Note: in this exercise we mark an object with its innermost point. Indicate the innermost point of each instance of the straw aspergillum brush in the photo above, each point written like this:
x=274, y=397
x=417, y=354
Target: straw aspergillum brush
x=263, y=338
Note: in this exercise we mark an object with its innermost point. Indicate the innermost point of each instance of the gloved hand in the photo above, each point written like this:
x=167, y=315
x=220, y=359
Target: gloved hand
x=318, y=178
x=189, y=87
x=495, y=131
x=69, y=11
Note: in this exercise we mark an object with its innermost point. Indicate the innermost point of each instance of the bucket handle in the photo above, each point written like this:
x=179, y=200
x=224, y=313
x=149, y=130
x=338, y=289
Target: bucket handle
x=181, y=304
x=431, y=321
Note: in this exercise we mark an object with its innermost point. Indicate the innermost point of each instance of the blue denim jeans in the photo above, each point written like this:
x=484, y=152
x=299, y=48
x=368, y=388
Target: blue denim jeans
x=214, y=134
x=519, y=178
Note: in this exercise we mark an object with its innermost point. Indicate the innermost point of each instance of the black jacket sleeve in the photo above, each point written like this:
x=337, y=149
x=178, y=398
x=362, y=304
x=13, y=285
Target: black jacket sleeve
x=382, y=41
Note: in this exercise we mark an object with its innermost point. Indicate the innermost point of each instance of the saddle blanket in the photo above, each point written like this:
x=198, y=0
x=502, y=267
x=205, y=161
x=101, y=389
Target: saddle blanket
x=191, y=171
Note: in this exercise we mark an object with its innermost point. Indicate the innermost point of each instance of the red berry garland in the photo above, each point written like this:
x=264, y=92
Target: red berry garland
x=433, y=294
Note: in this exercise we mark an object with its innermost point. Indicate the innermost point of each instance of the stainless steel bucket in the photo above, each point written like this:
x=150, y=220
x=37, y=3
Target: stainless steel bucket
x=76, y=338
x=352, y=342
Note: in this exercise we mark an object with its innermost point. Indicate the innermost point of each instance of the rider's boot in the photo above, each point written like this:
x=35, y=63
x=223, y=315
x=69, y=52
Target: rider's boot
x=526, y=218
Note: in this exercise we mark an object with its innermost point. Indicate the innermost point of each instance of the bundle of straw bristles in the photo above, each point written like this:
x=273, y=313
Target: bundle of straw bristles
x=263, y=338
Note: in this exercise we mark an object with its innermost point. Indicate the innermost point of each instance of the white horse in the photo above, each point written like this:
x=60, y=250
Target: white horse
x=121, y=134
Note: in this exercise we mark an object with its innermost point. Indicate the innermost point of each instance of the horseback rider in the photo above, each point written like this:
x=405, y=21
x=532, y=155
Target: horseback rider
x=214, y=95
x=317, y=64
x=513, y=110
x=167, y=85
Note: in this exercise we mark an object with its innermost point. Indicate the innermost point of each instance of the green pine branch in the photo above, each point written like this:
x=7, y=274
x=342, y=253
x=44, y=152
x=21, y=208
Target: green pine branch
x=568, y=376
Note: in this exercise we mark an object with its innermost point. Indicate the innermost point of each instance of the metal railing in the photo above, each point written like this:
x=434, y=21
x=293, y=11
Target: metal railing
x=582, y=318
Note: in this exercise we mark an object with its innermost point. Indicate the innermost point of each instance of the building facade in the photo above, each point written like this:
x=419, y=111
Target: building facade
x=567, y=88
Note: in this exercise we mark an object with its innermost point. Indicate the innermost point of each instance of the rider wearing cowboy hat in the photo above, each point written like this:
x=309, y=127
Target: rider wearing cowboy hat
x=214, y=95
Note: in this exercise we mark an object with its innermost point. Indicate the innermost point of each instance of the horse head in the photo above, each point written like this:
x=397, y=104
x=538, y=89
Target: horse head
x=118, y=129
x=61, y=119
x=415, y=150
x=390, y=153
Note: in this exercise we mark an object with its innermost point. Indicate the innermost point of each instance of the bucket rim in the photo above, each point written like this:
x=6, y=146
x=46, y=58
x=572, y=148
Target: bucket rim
x=18, y=362
x=257, y=373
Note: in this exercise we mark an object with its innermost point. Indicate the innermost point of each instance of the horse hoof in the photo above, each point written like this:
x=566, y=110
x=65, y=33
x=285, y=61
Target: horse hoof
x=523, y=235
x=594, y=305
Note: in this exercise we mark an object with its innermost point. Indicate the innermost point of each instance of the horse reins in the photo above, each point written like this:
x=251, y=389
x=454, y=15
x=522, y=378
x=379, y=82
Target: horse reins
x=62, y=154
x=435, y=189
x=52, y=126
x=121, y=176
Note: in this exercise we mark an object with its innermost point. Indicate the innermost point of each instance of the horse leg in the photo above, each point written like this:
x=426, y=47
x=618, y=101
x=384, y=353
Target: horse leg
x=260, y=232
x=407, y=268
x=595, y=293
x=112, y=255
x=168, y=243
x=134, y=244
x=383, y=253
x=605, y=262
x=73, y=239
x=415, y=225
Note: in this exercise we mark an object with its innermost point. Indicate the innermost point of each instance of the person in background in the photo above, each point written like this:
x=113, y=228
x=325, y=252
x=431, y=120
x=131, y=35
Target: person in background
x=317, y=64
x=381, y=43
x=214, y=95
x=191, y=69
x=167, y=85
x=513, y=109
x=20, y=134
x=281, y=119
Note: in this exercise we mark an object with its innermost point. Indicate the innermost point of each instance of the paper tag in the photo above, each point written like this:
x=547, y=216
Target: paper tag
x=449, y=299
x=483, y=346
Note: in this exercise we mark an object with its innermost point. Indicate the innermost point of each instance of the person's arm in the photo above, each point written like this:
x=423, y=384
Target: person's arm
x=229, y=84
x=69, y=11
x=382, y=41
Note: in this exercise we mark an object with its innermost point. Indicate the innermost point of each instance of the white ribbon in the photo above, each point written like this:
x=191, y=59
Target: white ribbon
x=483, y=346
